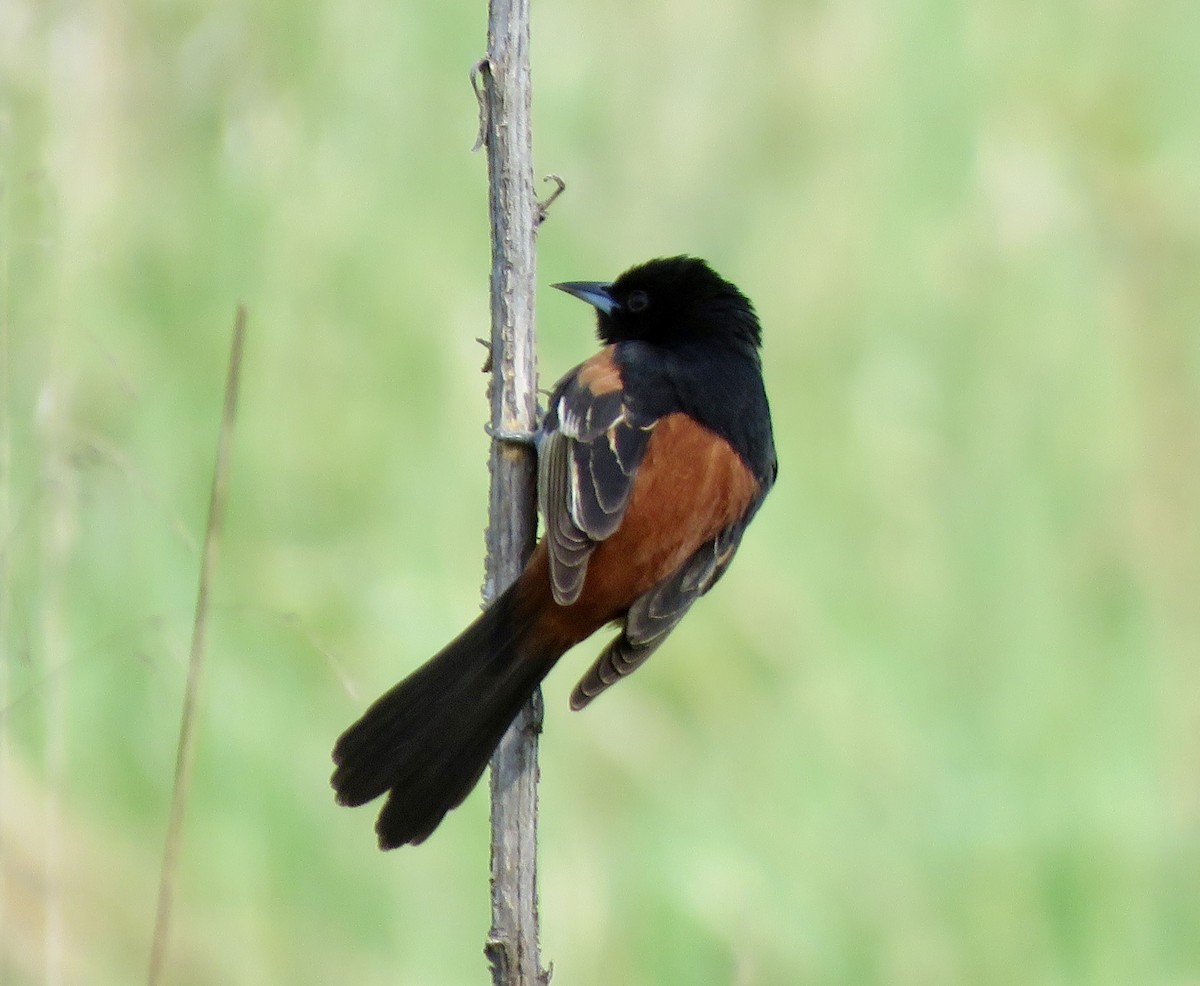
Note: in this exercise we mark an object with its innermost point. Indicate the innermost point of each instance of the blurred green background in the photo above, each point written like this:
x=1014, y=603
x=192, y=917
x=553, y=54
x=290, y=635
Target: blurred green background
x=940, y=724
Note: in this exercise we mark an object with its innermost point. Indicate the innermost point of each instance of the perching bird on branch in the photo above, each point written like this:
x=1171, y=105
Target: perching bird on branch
x=653, y=456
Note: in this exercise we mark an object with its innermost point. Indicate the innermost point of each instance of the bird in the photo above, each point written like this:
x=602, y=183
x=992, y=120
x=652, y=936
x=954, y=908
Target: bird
x=653, y=456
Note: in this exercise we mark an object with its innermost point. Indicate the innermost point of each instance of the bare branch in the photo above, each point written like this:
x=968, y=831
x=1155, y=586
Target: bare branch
x=501, y=82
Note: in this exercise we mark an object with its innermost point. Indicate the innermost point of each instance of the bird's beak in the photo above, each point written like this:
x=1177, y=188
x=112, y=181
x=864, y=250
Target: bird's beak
x=595, y=293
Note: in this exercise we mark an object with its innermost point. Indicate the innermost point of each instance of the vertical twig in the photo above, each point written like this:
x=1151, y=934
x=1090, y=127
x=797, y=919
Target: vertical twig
x=512, y=946
x=185, y=752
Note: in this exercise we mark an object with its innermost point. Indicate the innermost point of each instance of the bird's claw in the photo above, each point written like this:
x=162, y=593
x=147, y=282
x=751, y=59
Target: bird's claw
x=512, y=436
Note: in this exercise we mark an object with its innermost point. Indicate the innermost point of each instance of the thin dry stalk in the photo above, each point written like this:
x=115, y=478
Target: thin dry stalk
x=185, y=752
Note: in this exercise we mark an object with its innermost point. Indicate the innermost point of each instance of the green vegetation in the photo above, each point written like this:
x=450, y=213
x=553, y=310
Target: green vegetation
x=938, y=725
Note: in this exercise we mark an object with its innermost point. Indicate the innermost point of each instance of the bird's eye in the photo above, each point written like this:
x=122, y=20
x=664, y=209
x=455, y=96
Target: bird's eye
x=637, y=301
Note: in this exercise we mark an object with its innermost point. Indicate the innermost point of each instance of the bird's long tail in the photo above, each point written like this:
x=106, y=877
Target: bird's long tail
x=427, y=741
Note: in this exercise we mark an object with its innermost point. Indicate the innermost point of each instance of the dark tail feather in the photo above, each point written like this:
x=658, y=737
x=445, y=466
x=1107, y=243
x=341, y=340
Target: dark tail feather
x=428, y=740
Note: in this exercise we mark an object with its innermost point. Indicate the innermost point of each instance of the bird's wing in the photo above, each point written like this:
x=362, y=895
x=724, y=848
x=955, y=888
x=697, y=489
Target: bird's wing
x=589, y=448
x=657, y=612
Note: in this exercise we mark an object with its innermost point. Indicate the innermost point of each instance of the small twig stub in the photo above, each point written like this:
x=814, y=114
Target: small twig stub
x=543, y=208
x=479, y=70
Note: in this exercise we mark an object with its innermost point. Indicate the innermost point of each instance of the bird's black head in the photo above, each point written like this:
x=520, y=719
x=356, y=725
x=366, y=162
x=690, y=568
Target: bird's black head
x=672, y=301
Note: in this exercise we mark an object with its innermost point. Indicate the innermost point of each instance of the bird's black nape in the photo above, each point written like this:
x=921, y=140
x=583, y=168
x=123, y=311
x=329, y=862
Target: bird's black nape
x=671, y=300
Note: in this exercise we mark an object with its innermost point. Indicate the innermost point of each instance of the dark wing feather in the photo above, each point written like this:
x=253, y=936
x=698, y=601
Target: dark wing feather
x=656, y=613
x=569, y=547
x=589, y=449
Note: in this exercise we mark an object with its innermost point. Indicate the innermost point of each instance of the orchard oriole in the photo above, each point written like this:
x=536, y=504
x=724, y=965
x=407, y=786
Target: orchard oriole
x=653, y=456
